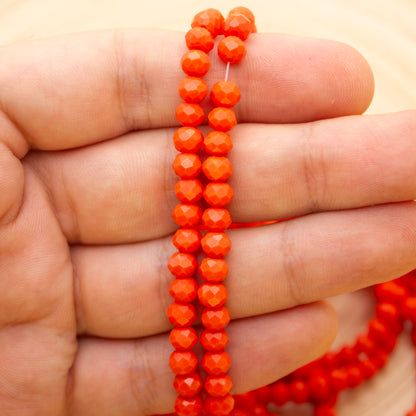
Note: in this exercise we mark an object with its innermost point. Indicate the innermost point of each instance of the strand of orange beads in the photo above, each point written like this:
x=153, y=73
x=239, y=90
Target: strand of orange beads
x=216, y=219
x=188, y=140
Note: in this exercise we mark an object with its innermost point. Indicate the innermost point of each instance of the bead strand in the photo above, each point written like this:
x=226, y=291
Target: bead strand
x=187, y=214
x=216, y=219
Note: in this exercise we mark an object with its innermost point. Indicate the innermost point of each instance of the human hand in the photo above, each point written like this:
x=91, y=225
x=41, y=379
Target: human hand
x=85, y=213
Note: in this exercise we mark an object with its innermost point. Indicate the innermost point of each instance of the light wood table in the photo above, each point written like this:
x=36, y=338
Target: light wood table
x=382, y=30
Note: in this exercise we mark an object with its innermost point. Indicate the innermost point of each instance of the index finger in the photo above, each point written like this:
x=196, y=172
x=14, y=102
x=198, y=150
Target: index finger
x=81, y=89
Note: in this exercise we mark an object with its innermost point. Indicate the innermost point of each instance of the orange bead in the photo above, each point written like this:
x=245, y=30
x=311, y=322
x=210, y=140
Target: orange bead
x=199, y=38
x=187, y=240
x=182, y=264
x=193, y=90
x=183, y=338
x=218, y=194
x=187, y=215
x=216, y=219
x=188, y=406
x=188, y=139
x=215, y=318
x=219, y=406
x=225, y=94
x=212, y=295
x=218, y=386
x=187, y=165
x=216, y=244
x=210, y=19
x=217, y=168
x=218, y=143
x=183, y=289
x=195, y=63
x=213, y=270
x=189, y=385
x=189, y=190
x=181, y=314
x=231, y=49
x=189, y=114
x=238, y=25
x=243, y=11
x=216, y=363
x=214, y=341
x=222, y=119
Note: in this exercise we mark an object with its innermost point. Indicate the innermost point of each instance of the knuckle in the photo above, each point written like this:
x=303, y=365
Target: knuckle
x=142, y=379
x=314, y=168
x=293, y=266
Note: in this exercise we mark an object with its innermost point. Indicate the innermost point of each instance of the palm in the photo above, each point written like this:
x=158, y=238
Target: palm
x=85, y=226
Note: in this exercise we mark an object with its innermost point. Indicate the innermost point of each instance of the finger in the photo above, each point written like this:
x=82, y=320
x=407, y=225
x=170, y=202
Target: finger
x=271, y=268
x=134, y=377
x=122, y=190
x=84, y=88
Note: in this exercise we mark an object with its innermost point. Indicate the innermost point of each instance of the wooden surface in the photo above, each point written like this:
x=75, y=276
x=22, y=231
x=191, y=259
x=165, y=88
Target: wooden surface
x=382, y=30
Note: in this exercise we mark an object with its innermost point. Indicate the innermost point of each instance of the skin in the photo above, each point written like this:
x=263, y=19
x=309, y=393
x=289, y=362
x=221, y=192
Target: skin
x=85, y=213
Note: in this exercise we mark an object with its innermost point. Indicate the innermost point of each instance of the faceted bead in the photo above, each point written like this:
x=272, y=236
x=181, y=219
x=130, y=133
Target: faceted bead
x=338, y=379
x=189, y=190
x=299, y=392
x=181, y=314
x=187, y=240
x=189, y=385
x=193, y=90
x=222, y=119
x=409, y=308
x=218, y=143
x=218, y=195
x=354, y=375
x=215, y=244
x=182, y=264
x=184, y=289
x=216, y=363
x=215, y=319
x=195, y=63
x=214, y=341
x=210, y=19
x=231, y=49
x=187, y=215
x=183, y=362
x=218, y=386
x=199, y=38
x=187, y=165
x=188, y=406
x=219, y=406
x=319, y=387
x=280, y=393
x=216, y=219
x=377, y=330
x=389, y=313
x=212, y=295
x=390, y=292
x=188, y=139
x=217, y=168
x=183, y=338
x=213, y=270
x=238, y=25
x=189, y=114
x=225, y=94
x=243, y=11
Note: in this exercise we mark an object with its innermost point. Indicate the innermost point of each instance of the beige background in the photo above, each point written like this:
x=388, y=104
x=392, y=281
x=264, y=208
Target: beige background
x=384, y=31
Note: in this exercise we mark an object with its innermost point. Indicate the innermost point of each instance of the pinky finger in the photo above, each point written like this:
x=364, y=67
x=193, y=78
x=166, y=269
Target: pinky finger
x=132, y=377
